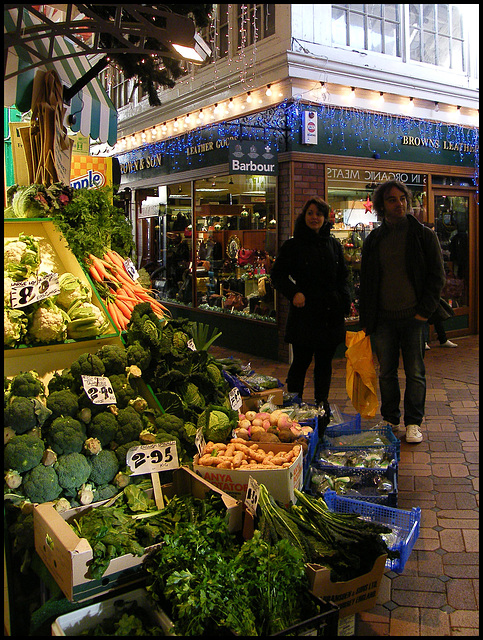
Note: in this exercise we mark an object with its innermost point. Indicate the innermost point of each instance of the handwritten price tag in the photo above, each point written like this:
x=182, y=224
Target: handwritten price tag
x=152, y=458
x=34, y=290
x=235, y=399
x=99, y=389
x=251, y=498
x=131, y=269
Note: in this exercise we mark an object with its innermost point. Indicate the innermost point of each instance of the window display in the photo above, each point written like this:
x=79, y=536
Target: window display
x=222, y=261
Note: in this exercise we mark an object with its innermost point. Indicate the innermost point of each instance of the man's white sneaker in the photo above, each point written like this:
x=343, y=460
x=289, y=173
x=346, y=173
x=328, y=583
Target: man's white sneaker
x=426, y=346
x=413, y=433
x=449, y=344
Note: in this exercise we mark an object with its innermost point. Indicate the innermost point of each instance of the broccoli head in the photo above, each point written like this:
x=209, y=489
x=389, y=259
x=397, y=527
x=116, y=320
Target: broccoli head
x=28, y=384
x=62, y=380
x=103, y=426
x=130, y=425
x=73, y=470
x=41, y=484
x=104, y=467
x=170, y=423
x=66, y=435
x=114, y=358
x=122, y=450
x=123, y=390
x=138, y=355
x=87, y=364
x=63, y=403
x=23, y=414
x=23, y=452
x=164, y=436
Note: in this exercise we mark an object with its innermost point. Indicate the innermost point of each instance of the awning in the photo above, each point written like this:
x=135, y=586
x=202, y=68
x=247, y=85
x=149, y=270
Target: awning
x=94, y=112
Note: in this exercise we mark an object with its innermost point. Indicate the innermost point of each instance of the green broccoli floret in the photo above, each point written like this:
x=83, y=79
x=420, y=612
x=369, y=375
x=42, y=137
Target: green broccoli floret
x=23, y=414
x=73, y=469
x=105, y=492
x=66, y=435
x=114, y=358
x=130, y=425
x=41, y=484
x=23, y=452
x=170, y=423
x=122, y=450
x=63, y=403
x=87, y=364
x=123, y=390
x=138, y=355
x=104, y=467
x=164, y=436
x=62, y=380
x=28, y=384
x=103, y=426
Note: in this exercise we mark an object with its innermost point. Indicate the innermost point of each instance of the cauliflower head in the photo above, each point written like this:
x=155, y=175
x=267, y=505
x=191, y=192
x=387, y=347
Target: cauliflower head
x=48, y=323
x=15, y=324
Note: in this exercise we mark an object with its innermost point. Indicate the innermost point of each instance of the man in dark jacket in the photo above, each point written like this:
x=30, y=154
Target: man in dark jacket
x=402, y=275
x=311, y=273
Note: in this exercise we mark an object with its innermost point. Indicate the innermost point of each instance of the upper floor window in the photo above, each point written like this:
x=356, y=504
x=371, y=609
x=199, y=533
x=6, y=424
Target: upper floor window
x=430, y=33
x=373, y=27
x=241, y=25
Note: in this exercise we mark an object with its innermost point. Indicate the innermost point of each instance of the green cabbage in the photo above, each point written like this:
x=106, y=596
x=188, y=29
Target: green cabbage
x=217, y=423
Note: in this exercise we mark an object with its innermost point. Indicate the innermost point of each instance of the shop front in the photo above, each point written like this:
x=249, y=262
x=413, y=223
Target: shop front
x=212, y=207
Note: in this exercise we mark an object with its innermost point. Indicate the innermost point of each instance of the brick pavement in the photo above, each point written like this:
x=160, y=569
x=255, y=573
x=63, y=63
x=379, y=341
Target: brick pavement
x=437, y=594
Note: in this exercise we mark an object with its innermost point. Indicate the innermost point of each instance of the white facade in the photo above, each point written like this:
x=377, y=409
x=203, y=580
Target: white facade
x=301, y=60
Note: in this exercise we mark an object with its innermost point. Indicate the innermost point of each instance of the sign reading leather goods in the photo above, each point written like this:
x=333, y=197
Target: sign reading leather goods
x=249, y=157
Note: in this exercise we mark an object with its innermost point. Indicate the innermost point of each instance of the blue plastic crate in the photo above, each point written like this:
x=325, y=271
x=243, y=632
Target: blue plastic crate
x=367, y=481
x=330, y=441
x=312, y=440
x=405, y=524
x=349, y=422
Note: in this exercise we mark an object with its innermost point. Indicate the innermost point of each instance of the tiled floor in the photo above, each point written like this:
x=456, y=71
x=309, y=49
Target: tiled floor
x=437, y=594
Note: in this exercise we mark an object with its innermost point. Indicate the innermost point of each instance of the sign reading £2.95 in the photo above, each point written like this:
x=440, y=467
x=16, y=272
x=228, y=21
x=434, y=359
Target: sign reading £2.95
x=252, y=157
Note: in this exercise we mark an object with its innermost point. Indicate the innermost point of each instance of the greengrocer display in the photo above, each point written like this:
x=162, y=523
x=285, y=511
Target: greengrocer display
x=130, y=462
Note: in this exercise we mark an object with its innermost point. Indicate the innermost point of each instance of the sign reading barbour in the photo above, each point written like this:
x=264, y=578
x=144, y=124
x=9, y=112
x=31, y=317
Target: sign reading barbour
x=248, y=157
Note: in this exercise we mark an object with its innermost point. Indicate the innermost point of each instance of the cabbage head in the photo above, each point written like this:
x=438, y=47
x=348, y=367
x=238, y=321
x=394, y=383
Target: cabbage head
x=192, y=396
x=217, y=423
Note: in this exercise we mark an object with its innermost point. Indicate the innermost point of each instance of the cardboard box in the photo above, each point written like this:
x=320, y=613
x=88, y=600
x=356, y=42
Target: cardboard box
x=279, y=482
x=67, y=556
x=252, y=402
x=351, y=596
x=86, y=618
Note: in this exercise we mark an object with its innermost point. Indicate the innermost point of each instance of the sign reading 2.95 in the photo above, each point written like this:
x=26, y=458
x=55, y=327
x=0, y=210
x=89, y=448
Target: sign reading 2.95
x=152, y=458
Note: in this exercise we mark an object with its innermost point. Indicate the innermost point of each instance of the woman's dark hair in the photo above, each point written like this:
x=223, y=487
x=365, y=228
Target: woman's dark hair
x=321, y=205
x=381, y=190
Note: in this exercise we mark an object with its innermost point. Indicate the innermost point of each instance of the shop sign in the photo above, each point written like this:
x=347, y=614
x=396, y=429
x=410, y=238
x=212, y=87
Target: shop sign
x=252, y=157
x=309, y=127
x=357, y=178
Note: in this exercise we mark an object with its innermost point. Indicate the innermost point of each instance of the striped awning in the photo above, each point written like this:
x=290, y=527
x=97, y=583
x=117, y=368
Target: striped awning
x=95, y=115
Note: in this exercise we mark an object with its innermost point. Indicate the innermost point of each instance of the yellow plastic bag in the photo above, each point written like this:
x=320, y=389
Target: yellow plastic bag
x=361, y=378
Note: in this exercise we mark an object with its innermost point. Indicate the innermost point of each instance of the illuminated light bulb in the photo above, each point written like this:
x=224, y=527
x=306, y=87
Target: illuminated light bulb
x=153, y=133
x=164, y=128
x=175, y=124
x=187, y=120
x=230, y=104
x=249, y=97
x=381, y=97
x=268, y=92
x=323, y=88
x=436, y=106
x=143, y=136
x=201, y=115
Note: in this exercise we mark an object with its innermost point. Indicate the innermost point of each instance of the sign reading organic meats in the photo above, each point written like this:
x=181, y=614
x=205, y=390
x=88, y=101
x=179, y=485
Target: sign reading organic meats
x=249, y=157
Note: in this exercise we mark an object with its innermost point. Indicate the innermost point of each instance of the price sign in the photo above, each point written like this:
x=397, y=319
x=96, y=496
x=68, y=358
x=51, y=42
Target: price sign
x=200, y=441
x=152, y=458
x=34, y=290
x=251, y=498
x=191, y=344
x=235, y=399
x=99, y=389
x=131, y=269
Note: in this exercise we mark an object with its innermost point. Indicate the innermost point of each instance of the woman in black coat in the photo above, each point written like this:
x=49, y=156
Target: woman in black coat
x=311, y=273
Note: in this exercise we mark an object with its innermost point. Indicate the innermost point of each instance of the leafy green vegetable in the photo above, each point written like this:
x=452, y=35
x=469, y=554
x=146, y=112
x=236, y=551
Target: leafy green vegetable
x=21, y=257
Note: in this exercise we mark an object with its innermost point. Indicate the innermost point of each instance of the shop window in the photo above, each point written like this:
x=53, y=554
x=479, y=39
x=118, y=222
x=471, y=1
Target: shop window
x=350, y=198
x=451, y=216
x=235, y=245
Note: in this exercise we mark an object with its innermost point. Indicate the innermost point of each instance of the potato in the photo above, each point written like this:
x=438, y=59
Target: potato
x=244, y=424
x=250, y=415
x=242, y=433
x=268, y=437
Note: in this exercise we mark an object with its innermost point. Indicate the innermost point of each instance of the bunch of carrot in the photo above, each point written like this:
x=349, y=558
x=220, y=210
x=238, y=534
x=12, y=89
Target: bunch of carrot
x=119, y=291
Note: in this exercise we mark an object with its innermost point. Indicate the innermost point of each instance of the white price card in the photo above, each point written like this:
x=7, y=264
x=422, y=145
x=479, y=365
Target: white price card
x=34, y=290
x=131, y=269
x=251, y=497
x=200, y=441
x=99, y=389
x=152, y=458
x=235, y=399
x=191, y=344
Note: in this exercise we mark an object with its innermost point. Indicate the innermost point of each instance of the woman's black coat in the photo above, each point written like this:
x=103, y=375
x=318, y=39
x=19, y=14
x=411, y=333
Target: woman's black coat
x=313, y=263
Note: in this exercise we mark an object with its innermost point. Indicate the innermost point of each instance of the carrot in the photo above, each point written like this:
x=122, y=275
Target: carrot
x=94, y=274
x=98, y=265
x=116, y=258
x=113, y=313
x=123, y=308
